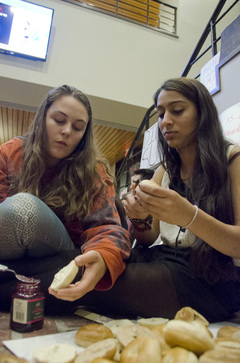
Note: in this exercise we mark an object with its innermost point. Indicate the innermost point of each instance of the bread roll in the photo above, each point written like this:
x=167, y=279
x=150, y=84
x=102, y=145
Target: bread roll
x=227, y=331
x=65, y=276
x=151, y=323
x=179, y=355
x=193, y=336
x=92, y=333
x=118, y=323
x=10, y=358
x=189, y=314
x=55, y=353
x=126, y=334
x=220, y=356
x=158, y=331
x=227, y=343
x=141, y=350
x=103, y=349
x=102, y=360
x=236, y=335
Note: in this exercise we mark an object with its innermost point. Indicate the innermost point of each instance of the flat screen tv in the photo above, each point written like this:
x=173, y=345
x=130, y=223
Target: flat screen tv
x=25, y=29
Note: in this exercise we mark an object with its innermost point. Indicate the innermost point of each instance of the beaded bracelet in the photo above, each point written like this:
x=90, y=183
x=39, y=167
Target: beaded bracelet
x=136, y=222
x=194, y=217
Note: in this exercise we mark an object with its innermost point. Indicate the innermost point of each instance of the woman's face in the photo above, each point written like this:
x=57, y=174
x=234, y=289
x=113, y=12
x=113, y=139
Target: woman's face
x=66, y=122
x=177, y=119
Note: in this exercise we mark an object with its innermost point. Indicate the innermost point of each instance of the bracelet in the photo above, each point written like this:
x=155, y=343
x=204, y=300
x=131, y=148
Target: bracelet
x=194, y=217
x=147, y=222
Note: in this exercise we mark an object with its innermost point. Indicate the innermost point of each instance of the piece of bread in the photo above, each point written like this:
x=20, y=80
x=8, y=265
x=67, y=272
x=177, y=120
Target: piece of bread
x=103, y=349
x=189, y=314
x=10, y=358
x=92, y=333
x=236, y=335
x=220, y=356
x=227, y=331
x=193, y=336
x=151, y=323
x=118, y=323
x=227, y=343
x=102, y=360
x=126, y=334
x=55, y=353
x=158, y=331
x=141, y=350
x=179, y=355
x=65, y=276
x=149, y=182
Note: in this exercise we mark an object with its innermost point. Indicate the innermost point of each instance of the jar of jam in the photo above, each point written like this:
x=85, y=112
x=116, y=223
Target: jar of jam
x=27, y=308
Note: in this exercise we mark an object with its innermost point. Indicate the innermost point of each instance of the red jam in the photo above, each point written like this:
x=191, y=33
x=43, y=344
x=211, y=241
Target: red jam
x=27, y=308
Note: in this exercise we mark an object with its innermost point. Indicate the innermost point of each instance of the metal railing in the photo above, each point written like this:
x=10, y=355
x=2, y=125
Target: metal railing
x=154, y=14
x=210, y=29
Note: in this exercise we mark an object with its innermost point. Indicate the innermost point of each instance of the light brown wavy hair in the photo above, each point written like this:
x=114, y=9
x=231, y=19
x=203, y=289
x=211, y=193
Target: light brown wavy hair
x=70, y=193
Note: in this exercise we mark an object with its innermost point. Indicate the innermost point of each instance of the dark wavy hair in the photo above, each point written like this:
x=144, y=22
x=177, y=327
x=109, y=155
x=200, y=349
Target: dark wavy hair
x=70, y=193
x=210, y=186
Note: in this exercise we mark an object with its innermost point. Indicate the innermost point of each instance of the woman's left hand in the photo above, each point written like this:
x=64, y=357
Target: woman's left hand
x=164, y=204
x=94, y=268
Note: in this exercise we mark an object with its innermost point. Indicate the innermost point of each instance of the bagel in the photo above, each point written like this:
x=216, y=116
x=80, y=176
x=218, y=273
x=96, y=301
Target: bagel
x=54, y=353
x=103, y=349
x=179, y=355
x=193, y=336
x=92, y=333
x=141, y=350
x=126, y=334
x=189, y=314
x=102, y=360
x=151, y=323
x=227, y=343
x=158, y=331
x=65, y=276
x=220, y=356
x=118, y=323
x=227, y=331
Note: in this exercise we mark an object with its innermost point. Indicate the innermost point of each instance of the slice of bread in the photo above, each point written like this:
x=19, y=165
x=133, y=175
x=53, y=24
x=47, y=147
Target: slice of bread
x=65, y=276
x=55, y=353
x=103, y=349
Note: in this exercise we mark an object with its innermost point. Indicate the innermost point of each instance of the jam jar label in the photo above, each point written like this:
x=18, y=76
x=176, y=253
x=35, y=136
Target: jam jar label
x=28, y=311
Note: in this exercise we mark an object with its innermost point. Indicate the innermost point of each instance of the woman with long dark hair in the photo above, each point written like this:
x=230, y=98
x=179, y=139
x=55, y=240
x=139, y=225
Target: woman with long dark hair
x=193, y=203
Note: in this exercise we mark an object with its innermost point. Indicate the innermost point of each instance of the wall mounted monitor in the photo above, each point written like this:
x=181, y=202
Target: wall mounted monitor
x=25, y=29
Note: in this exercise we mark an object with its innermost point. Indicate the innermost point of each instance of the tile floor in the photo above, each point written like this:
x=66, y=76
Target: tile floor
x=51, y=326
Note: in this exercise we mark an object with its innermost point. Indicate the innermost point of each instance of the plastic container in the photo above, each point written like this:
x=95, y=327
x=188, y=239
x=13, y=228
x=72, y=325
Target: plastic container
x=27, y=308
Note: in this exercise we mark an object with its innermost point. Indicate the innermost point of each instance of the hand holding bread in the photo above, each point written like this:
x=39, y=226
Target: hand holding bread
x=94, y=270
x=65, y=276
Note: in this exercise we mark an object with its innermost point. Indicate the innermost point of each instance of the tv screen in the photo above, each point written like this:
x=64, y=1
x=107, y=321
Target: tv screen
x=25, y=29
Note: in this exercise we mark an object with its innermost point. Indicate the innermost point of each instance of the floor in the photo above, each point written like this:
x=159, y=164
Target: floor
x=51, y=326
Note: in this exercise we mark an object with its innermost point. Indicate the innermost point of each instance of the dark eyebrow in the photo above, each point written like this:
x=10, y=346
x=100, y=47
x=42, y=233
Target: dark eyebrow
x=171, y=103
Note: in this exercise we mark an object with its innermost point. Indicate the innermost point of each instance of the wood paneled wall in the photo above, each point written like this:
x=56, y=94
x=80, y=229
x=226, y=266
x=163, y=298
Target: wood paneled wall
x=111, y=142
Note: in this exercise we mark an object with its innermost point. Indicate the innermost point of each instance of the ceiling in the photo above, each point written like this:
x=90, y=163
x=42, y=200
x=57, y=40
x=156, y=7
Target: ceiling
x=112, y=142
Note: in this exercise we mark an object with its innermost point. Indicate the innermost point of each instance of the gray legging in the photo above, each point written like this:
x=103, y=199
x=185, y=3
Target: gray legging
x=30, y=228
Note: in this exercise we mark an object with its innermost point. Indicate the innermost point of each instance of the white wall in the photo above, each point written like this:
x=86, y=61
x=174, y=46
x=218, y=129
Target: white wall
x=117, y=63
